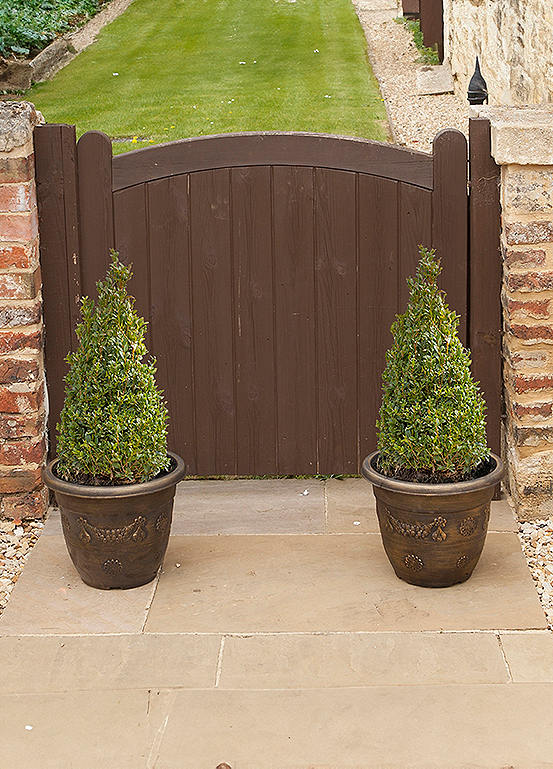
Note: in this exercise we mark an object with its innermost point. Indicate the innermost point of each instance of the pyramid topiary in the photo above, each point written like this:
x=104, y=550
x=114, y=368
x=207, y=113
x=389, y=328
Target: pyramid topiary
x=432, y=420
x=113, y=426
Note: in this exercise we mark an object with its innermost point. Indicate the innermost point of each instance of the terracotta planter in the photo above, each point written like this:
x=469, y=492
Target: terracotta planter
x=117, y=535
x=433, y=534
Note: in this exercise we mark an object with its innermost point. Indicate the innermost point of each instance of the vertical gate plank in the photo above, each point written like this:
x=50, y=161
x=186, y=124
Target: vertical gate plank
x=95, y=207
x=415, y=229
x=213, y=322
x=170, y=312
x=378, y=295
x=253, y=289
x=295, y=351
x=336, y=307
x=130, y=215
x=56, y=177
x=450, y=219
x=485, y=275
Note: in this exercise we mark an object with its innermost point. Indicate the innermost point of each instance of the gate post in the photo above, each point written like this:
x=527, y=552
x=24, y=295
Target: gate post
x=522, y=145
x=22, y=398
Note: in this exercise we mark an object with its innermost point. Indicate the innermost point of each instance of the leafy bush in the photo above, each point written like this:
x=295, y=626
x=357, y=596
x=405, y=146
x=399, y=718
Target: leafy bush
x=113, y=426
x=431, y=425
x=28, y=26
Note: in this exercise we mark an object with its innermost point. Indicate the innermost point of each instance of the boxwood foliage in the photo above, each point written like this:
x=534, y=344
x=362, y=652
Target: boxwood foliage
x=432, y=424
x=113, y=426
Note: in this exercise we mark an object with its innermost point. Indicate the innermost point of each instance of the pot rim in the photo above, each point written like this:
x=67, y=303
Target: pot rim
x=113, y=492
x=431, y=489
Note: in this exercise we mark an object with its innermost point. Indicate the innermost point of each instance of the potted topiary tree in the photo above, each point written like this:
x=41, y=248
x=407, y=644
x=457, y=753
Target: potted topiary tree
x=113, y=477
x=433, y=475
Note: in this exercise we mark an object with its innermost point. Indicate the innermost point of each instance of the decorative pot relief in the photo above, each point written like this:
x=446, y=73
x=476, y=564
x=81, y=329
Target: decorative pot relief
x=468, y=526
x=112, y=566
x=434, y=529
x=134, y=532
x=413, y=562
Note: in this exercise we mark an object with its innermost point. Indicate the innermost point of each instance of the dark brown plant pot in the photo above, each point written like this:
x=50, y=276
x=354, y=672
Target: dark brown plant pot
x=433, y=534
x=116, y=535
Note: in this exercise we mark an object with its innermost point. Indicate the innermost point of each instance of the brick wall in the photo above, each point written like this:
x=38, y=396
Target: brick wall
x=522, y=143
x=22, y=389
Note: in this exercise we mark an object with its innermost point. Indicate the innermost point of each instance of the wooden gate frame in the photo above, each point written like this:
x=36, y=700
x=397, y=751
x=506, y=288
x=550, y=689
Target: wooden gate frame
x=65, y=237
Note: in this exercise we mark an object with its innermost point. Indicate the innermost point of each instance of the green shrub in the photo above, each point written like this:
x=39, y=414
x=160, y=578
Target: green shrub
x=427, y=55
x=113, y=426
x=431, y=425
x=28, y=26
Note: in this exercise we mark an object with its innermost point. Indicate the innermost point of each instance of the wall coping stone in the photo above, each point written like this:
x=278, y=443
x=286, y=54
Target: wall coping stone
x=17, y=120
x=521, y=135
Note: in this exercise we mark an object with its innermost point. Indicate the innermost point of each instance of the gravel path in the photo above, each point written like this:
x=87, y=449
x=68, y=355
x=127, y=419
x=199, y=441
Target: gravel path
x=415, y=120
x=17, y=539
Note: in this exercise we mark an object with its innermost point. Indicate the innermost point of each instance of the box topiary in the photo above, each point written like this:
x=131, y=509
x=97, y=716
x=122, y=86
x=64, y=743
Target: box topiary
x=113, y=426
x=431, y=426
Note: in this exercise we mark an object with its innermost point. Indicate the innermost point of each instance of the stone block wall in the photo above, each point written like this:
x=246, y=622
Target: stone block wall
x=522, y=143
x=514, y=40
x=22, y=388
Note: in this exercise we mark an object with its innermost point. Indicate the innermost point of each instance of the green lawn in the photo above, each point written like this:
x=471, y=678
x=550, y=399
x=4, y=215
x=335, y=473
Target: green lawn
x=168, y=69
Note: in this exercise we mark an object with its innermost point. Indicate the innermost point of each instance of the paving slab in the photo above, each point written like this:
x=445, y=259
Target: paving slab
x=486, y=726
x=529, y=656
x=351, y=509
x=50, y=598
x=360, y=659
x=42, y=664
x=331, y=583
x=77, y=730
x=278, y=506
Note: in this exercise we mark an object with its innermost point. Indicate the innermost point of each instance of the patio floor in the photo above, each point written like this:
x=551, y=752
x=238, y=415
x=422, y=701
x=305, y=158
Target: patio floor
x=277, y=637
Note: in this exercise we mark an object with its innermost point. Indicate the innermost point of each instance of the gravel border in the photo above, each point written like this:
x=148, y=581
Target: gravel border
x=17, y=539
x=537, y=544
x=415, y=120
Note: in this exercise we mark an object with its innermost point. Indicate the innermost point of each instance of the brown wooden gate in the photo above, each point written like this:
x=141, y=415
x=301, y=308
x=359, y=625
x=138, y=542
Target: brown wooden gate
x=270, y=267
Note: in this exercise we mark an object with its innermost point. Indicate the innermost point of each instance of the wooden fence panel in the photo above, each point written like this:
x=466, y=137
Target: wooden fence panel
x=56, y=173
x=214, y=322
x=336, y=319
x=256, y=432
x=485, y=276
x=171, y=320
x=296, y=362
x=378, y=294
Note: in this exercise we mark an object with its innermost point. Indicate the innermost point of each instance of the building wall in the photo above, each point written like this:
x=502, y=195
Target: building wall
x=514, y=39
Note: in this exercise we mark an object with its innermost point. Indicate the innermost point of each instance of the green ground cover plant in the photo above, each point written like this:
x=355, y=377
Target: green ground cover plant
x=28, y=26
x=168, y=69
x=427, y=55
x=432, y=420
x=113, y=426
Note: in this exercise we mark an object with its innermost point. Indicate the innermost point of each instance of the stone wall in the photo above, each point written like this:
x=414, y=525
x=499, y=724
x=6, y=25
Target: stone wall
x=522, y=143
x=514, y=40
x=22, y=388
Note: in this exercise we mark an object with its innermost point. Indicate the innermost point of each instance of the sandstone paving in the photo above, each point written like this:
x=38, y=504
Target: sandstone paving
x=486, y=726
x=308, y=660
x=51, y=664
x=50, y=598
x=331, y=583
x=77, y=730
x=529, y=656
x=282, y=506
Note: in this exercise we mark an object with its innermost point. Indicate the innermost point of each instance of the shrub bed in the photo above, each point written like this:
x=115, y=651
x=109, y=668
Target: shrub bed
x=28, y=26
